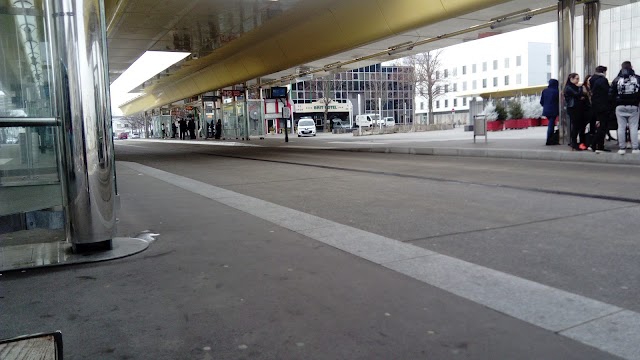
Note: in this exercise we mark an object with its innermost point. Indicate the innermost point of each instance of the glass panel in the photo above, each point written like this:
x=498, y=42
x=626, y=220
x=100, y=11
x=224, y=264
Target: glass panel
x=28, y=155
x=256, y=117
x=25, y=78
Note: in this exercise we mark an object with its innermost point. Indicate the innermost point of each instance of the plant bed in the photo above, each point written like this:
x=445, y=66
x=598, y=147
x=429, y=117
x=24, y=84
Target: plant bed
x=512, y=124
x=495, y=125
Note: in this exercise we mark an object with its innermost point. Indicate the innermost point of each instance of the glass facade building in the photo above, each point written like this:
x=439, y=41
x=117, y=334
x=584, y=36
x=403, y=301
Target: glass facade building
x=392, y=84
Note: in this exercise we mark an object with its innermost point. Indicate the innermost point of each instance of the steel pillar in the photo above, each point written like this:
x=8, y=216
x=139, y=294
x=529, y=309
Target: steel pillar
x=591, y=16
x=566, y=60
x=85, y=110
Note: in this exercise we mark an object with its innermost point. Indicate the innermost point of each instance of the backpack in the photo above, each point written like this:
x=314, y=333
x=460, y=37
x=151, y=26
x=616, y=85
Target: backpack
x=628, y=86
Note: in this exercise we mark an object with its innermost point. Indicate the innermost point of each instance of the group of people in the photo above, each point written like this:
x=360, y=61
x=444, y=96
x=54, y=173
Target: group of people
x=187, y=128
x=598, y=104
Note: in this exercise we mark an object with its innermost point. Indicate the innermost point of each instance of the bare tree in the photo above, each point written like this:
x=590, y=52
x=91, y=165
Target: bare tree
x=426, y=77
x=327, y=88
x=135, y=122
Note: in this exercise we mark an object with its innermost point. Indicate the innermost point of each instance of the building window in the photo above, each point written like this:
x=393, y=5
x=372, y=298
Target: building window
x=518, y=60
x=548, y=59
x=506, y=80
x=437, y=104
x=446, y=73
x=455, y=71
x=464, y=70
x=495, y=81
x=548, y=76
x=455, y=102
x=455, y=87
x=484, y=66
x=437, y=74
x=474, y=85
x=484, y=83
x=446, y=103
x=473, y=68
x=495, y=64
x=437, y=89
x=506, y=63
x=446, y=89
x=464, y=101
x=421, y=105
x=464, y=86
x=518, y=79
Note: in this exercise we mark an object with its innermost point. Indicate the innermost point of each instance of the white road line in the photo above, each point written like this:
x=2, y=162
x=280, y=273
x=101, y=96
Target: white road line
x=592, y=322
x=357, y=142
x=4, y=161
x=195, y=142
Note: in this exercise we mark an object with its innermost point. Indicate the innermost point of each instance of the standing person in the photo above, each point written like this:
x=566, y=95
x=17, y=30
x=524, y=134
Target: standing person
x=183, y=128
x=625, y=90
x=551, y=108
x=192, y=128
x=164, y=131
x=574, y=97
x=601, y=107
x=174, y=129
x=218, y=129
x=588, y=111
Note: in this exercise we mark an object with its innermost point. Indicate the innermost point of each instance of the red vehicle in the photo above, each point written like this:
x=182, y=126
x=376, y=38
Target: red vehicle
x=123, y=136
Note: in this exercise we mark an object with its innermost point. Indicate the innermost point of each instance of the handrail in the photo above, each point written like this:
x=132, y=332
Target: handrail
x=24, y=122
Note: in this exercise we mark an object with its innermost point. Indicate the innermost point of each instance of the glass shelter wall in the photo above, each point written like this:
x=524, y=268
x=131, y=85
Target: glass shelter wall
x=29, y=155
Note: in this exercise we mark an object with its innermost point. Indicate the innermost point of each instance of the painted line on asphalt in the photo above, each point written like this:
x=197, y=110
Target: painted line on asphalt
x=196, y=142
x=592, y=322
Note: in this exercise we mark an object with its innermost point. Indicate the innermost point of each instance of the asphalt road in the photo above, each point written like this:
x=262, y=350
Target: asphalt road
x=220, y=283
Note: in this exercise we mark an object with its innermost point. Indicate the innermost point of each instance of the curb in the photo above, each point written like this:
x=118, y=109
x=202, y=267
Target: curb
x=582, y=156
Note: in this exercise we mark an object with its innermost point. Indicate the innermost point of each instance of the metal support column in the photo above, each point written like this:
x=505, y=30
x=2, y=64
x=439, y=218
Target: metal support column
x=566, y=61
x=246, y=112
x=85, y=110
x=591, y=16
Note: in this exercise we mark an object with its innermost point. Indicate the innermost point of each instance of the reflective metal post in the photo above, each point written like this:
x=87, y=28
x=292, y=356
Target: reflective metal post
x=85, y=110
x=591, y=16
x=566, y=12
x=246, y=111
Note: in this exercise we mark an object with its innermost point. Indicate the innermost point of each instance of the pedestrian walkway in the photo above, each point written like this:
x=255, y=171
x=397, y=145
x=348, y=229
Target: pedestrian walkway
x=523, y=144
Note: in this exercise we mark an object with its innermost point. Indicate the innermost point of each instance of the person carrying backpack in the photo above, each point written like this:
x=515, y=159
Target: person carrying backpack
x=625, y=92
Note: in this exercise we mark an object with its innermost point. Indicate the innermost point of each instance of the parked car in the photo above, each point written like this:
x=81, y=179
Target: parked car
x=338, y=124
x=306, y=127
x=11, y=140
x=387, y=121
x=135, y=135
x=123, y=136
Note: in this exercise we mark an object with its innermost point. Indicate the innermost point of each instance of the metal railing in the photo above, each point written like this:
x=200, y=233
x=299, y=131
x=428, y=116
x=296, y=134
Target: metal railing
x=26, y=122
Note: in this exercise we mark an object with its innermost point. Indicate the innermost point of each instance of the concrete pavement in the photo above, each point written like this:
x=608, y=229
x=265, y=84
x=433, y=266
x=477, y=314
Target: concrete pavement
x=231, y=288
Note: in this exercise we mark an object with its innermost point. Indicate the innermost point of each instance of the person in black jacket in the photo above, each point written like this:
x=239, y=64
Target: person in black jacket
x=218, y=129
x=550, y=108
x=575, y=99
x=601, y=107
x=183, y=128
x=625, y=92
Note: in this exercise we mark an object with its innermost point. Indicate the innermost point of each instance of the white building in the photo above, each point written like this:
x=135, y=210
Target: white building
x=496, y=63
x=527, y=58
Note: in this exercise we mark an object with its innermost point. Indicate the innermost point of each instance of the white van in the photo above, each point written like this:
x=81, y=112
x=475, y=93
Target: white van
x=367, y=120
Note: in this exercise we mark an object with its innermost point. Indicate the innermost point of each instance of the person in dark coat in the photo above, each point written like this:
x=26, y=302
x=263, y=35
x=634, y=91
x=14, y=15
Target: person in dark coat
x=551, y=108
x=218, y=129
x=601, y=107
x=575, y=99
x=192, y=128
x=183, y=128
x=174, y=130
